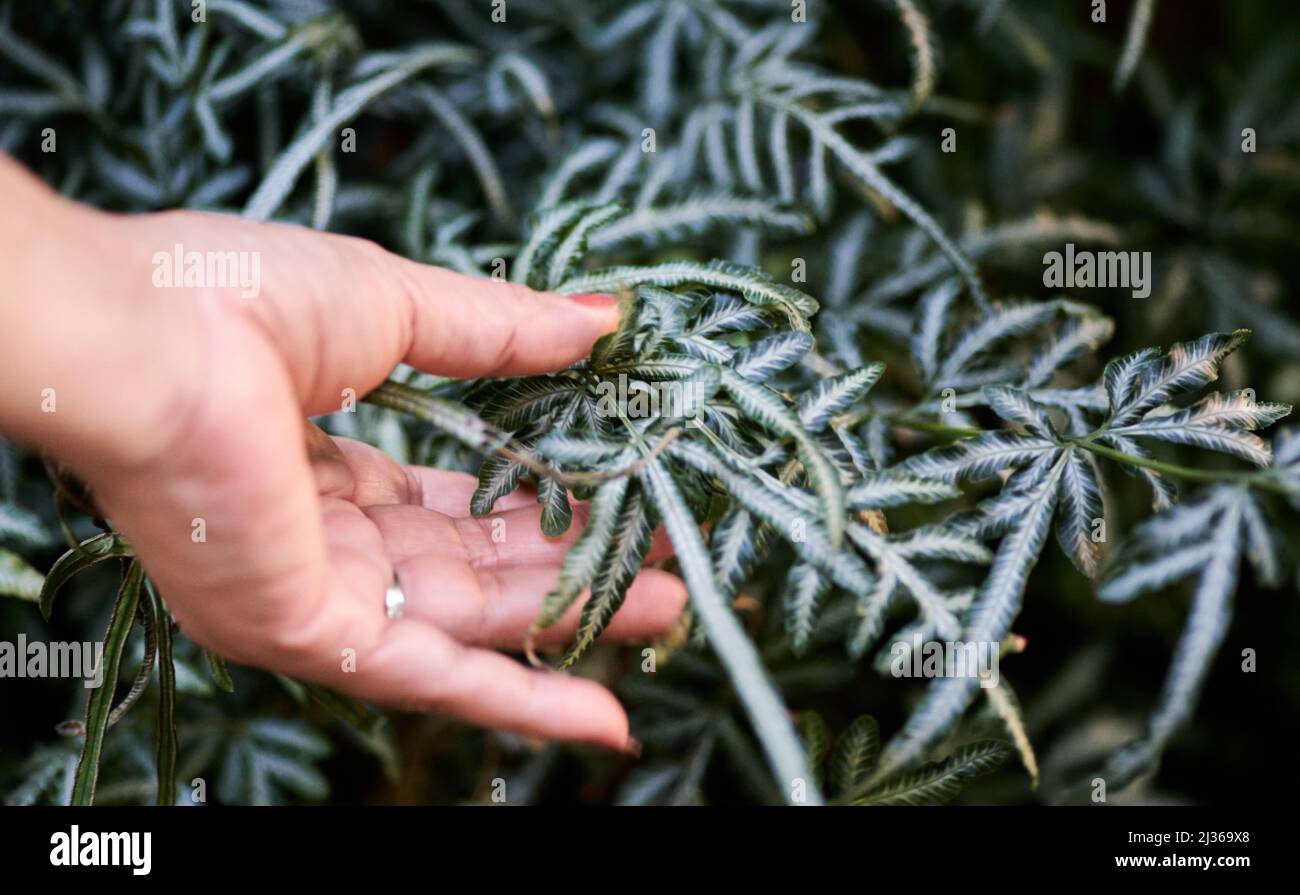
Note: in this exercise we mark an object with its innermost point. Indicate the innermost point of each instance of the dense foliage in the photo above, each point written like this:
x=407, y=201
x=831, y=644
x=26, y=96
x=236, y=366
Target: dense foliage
x=840, y=383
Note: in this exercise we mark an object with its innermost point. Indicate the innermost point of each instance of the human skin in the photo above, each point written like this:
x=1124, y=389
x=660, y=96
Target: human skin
x=184, y=404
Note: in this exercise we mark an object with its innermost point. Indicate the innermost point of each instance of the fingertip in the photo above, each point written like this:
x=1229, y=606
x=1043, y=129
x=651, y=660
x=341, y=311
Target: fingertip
x=581, y=711
x=605, y=311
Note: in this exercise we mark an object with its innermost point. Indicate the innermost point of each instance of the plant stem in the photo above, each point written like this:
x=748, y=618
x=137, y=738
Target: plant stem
x=935, y=428
x=1188, y=473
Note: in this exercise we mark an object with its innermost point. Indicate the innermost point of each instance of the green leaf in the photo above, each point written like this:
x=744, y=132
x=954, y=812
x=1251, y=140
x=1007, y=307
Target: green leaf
x=18, y=579
x=783, y=515
x=88, y=553
x=632, y=535
x=545, y=231
x=657, y=225
x=766, y=407
x=895, y=487
x=1187, y=366
x=1081, y=504
x=573, y=246
x=804, y=590
x=733, y=545
x=218, y=672
x=1006, y=705
x=1218, y=423
x=166, y=726
x=753, y=285
x=979, y=457
x=938, y=782
x=279, y=181
x=497, y=477
x=816, y=741
x=765, y=358
x=100, y=703
x=988, y=621
x=557, y=514
x=833, y=396
x=762, y=703
x=583, y=561
x=854, y=758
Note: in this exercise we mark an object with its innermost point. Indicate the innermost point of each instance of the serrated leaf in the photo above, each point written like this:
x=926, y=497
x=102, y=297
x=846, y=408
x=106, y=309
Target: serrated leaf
x=570, y=249
x=100, y=703
x=979, y=457
x=988, y=620
x=768, y=409
x=1006, y=705
x=805, y=588
x=583, y=561
x=833, y=396
x=938, y=782
x=1123, y=373
x=1016, y=406
x=1080, y=507
x=723, y=314
x=1000, y=323
x=762, y=703
x=289, y=164
x=1173, y=565
x=936, y=542
x=930, y=323
x=529, y=400
x=1218, y=422
x=816, y=741
x=580, y=449
x=497, y=477
x=733, y=545
x=854, y=758
x=1080, y=335
x=896, y=487
x=752, y=284
x=557, y=514
x=698, y=214
x=1187, y=366
x=784, y=516
x=767, y=357
x=631, y=539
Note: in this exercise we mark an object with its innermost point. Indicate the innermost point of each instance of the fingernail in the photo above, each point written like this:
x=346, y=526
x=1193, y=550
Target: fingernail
x=595, y=300
x=607, y=308
x=633, y=747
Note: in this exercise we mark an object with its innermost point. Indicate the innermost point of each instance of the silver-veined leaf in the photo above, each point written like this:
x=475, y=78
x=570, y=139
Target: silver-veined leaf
x=762, y=703
x=767, y=357
x=1079, y=511
x=835, y=395
x=631, y=539
x=805, y=589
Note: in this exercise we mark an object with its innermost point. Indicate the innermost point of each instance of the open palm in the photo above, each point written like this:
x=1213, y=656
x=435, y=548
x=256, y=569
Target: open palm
x=303, y=533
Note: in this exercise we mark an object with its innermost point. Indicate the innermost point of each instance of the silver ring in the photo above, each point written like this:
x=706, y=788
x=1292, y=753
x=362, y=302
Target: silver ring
x=395, y=600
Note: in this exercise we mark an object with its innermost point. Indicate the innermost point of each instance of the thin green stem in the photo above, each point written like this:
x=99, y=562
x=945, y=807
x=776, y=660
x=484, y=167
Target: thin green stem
x=935, y=428
x=1188, y=473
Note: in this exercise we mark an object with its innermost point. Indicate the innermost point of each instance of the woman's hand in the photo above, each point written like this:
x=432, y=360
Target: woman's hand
x=184, y=408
